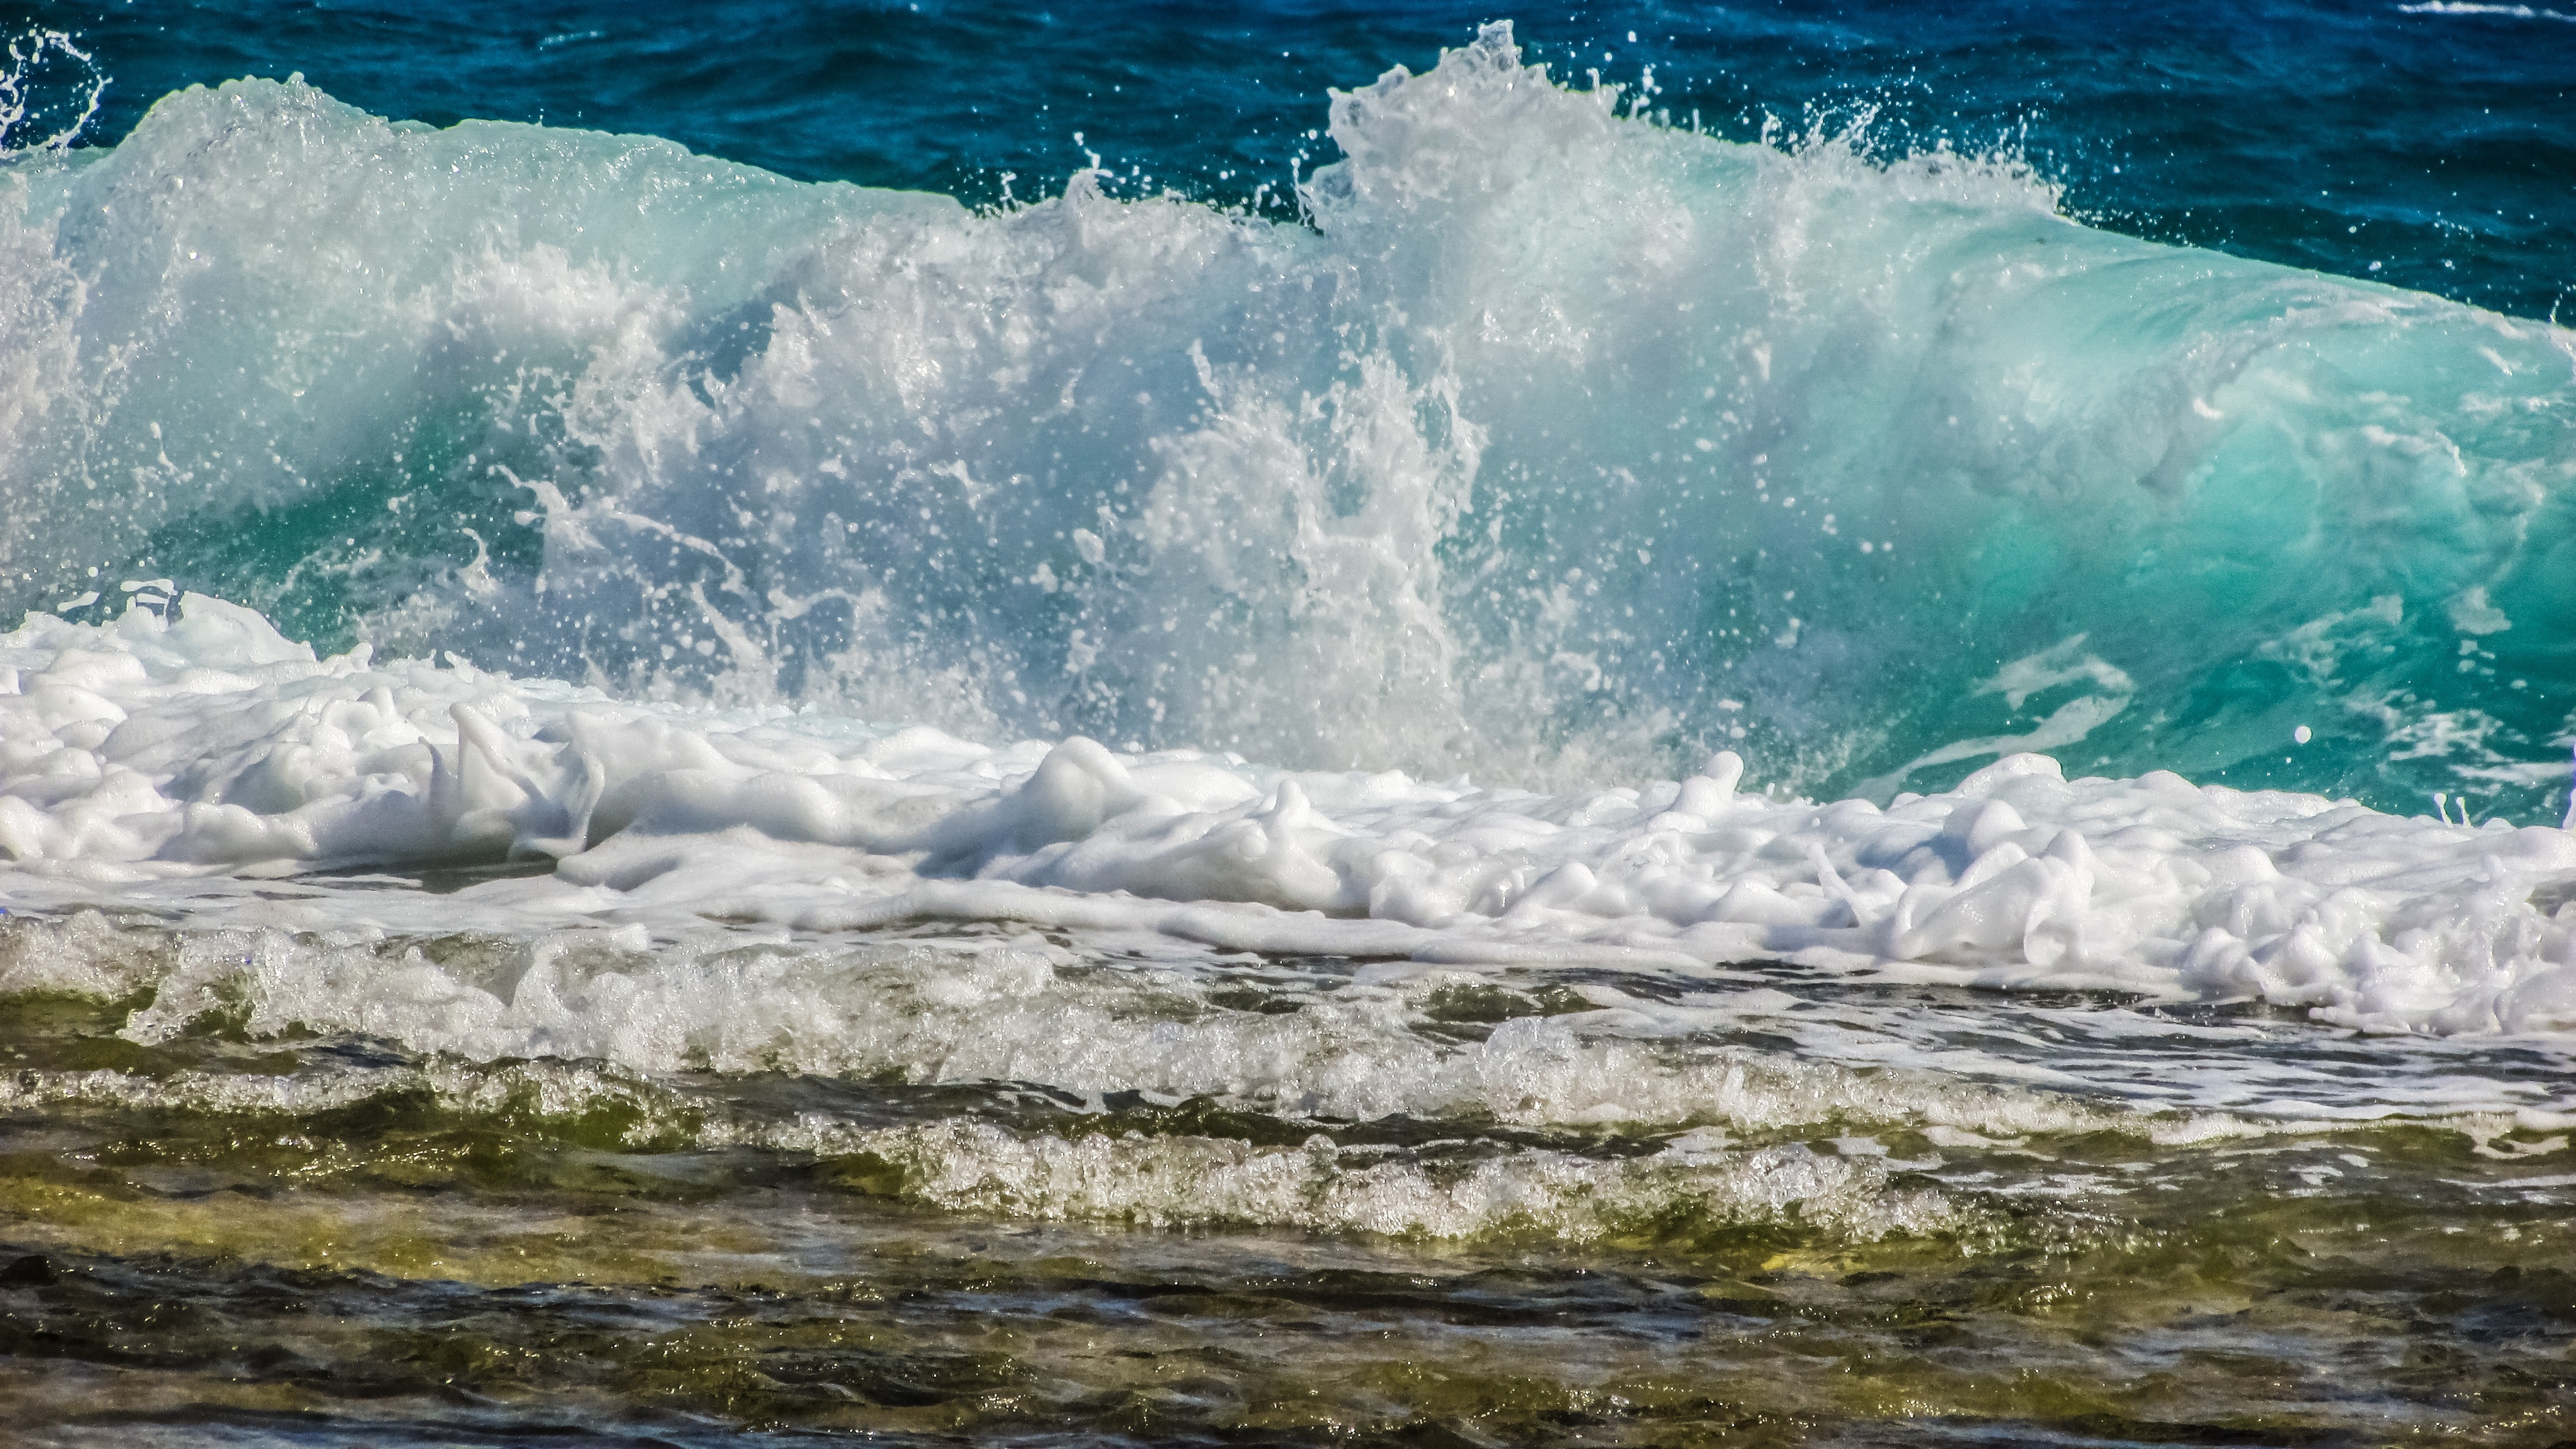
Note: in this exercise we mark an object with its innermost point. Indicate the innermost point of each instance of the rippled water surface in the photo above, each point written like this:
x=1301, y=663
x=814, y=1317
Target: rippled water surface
x=1568, y=1226
x=964, y=725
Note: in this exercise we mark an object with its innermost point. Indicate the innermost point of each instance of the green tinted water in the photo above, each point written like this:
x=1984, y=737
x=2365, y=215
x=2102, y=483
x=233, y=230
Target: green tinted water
x=313, y=1239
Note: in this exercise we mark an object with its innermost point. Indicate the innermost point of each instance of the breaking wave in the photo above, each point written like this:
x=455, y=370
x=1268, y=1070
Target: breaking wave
x=1561, y=445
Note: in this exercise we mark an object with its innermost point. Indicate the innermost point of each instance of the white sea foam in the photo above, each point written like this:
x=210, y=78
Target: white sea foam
x=1162, y=1180
x=1563, y=446
x=151, y=748
x=586, y=1030
x=1173, y=1181
x=855, y=556
x=1006, y=1015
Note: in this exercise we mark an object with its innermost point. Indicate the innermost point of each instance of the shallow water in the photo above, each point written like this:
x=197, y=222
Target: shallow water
x=319, y=1237
x=1083, y=730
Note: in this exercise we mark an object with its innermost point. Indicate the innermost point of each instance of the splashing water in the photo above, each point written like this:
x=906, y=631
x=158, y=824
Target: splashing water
x=641, y=796
x=27, y=86
x=1563, y=445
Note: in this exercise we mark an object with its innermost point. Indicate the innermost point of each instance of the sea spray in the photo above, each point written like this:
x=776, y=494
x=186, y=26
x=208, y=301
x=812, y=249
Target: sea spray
x=1561, y=446
x=1608, y=785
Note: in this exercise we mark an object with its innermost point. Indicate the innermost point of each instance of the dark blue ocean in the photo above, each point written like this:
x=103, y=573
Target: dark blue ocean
x=1775, y=724
x=2423, y=145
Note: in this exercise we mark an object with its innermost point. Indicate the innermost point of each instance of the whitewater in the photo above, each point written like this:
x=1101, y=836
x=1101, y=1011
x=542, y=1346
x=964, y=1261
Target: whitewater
x=1485, y=475
x=1602, y=688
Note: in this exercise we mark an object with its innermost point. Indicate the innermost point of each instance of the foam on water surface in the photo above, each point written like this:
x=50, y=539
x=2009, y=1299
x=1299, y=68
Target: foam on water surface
x=1562, y=446
x=150, y=754
x=1612, y=767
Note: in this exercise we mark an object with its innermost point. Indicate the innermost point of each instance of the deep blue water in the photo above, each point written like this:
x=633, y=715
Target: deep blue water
x=2425, y=146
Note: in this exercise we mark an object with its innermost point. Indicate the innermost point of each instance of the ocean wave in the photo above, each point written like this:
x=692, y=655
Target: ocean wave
x=160, y=748
x=1181, y=1181
x=1561, y=445
x=942, y=1016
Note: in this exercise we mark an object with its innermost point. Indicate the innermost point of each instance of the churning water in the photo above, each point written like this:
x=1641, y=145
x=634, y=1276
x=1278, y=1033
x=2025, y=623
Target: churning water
x=1760, y=727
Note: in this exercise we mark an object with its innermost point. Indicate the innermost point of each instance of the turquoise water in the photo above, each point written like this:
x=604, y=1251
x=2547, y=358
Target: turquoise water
x=1040, y=726
x=1780, y=407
